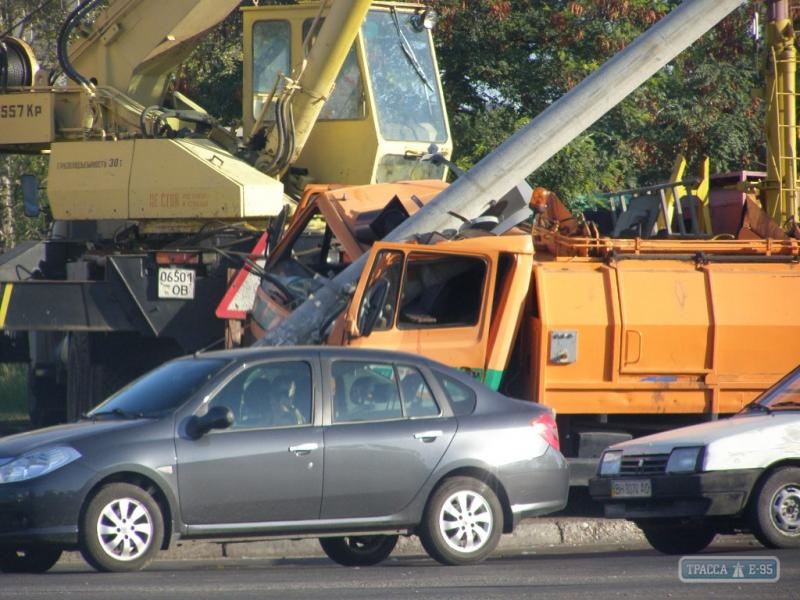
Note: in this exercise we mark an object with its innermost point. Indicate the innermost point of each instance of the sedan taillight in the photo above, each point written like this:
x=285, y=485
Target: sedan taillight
x=545, y=426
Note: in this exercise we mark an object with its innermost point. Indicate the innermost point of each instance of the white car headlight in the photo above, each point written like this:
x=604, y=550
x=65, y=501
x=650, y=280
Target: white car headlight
x=684, y=460
x=610, y=462
x=36, y=463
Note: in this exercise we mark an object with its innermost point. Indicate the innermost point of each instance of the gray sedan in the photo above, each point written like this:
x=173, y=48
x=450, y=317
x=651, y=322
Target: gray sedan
x=354, y=447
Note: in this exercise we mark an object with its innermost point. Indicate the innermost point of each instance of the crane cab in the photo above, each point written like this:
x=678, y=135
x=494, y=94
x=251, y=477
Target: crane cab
x=386, y=109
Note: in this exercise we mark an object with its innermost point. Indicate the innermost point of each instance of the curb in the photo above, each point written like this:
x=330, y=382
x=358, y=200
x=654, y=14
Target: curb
x=529, y=536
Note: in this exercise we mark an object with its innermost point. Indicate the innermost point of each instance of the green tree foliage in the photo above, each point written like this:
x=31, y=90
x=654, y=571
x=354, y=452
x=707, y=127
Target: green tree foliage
x=212, y=76
x=504, y=62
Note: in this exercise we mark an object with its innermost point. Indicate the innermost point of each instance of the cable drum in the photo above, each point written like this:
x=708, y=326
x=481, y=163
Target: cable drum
x=17, y=63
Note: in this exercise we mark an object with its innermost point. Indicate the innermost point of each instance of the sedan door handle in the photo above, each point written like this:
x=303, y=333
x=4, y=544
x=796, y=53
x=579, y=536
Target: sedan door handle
x=302, y=449
x=428, y=436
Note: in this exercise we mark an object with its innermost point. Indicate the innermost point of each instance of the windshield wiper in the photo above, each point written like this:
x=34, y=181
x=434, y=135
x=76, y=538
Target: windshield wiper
x=785, y=404
x=115, y=412
x=409, y=51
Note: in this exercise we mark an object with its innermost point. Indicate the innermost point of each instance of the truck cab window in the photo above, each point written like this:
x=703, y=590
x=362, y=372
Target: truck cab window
x=441, y=291
x=379, y=303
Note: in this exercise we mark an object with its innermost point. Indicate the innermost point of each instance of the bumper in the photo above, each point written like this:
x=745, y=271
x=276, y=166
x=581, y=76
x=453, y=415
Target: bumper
x=538, y=487
x=716, y=493
x=44, y=509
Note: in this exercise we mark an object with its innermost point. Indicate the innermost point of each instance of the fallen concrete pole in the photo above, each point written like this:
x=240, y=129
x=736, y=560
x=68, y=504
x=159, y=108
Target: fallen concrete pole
x=521, y=154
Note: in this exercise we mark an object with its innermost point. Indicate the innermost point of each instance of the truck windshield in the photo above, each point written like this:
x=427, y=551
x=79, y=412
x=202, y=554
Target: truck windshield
x=403, y=79
x=160, y=391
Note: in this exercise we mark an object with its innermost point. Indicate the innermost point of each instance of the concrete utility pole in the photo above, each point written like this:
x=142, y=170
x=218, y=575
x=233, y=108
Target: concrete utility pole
x=523, y=153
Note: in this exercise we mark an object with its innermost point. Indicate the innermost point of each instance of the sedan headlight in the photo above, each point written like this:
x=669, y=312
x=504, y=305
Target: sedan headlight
x=36, y=463
x=610, y=462
x=684, y=460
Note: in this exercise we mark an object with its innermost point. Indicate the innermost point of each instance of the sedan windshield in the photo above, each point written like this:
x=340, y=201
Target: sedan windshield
x=784, y=395
x=160, y=391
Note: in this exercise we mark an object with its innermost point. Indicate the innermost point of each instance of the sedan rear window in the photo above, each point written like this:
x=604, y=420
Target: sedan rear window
x=161, y=390
x=462, y=397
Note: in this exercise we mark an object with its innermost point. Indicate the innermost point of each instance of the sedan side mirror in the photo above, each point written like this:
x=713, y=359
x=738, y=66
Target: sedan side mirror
x=217, y=417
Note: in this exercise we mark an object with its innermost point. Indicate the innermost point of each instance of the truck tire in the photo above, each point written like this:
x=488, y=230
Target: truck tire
x=100, y=364
x=83, y=377
x=47, y=401
x=122, y=528
x=775, y=509
x=677, y=537
x=359, y=550
x=463, y=522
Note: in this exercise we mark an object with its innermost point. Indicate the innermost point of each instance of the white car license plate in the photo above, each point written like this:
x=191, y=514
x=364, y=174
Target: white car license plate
x=176, y=283
x=633, y=488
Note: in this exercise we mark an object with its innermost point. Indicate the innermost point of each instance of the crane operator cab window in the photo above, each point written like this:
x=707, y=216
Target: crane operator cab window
x=272, y=62
x=403, y=79
x=346, y=101
x=271, y=59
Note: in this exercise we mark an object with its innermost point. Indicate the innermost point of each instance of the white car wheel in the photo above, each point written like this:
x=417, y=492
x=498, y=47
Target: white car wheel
x=463, y=522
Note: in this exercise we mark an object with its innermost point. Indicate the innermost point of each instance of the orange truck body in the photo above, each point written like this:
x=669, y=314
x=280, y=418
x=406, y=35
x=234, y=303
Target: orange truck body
x=619, y=336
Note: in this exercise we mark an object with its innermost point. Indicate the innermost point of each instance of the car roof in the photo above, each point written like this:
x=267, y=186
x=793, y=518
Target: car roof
x=336, y=352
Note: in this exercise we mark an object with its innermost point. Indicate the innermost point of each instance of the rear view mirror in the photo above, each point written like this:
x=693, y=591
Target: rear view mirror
x=30, y=195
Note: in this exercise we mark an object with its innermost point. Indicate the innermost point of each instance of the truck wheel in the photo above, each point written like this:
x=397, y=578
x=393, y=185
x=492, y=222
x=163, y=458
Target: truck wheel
x=359, y=550
x=46, y=401
x=122, y=529
x=463, y=522
x=28, y=559
x=83, y=377
x=775, y=509
x=676, y=537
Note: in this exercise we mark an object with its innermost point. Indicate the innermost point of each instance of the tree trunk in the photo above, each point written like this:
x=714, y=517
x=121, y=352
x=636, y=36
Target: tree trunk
x=7, y=229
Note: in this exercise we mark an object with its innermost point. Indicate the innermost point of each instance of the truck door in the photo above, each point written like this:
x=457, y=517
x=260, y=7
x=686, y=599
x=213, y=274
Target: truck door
x=432, y=302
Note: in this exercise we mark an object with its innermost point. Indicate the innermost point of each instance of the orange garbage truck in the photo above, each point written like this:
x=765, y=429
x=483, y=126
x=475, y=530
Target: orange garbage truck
x=619, y=335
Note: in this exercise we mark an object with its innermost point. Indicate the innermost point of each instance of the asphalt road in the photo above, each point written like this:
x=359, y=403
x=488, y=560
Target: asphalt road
x=596, y=572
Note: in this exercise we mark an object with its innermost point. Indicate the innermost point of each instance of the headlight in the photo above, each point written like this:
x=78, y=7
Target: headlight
x=36, y=463
x=610, y=462
x=683, y=460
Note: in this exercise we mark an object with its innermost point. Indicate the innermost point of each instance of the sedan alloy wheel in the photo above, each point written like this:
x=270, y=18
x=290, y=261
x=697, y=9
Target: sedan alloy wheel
x=122, y=528
x=463, y=522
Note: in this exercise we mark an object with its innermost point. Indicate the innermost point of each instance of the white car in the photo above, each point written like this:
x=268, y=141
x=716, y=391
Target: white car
x=741, y=474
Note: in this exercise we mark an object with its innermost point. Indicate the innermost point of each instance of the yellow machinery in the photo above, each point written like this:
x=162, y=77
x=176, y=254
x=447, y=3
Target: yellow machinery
x=153, y=202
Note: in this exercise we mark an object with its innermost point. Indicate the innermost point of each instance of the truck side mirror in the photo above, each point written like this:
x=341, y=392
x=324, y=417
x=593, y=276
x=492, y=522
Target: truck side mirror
x=30, y=195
